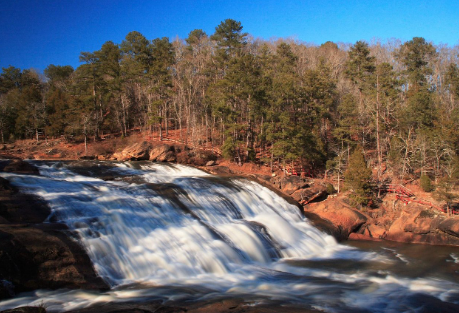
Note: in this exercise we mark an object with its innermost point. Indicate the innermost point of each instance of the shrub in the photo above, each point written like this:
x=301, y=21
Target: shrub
x=330, y=189
x=426, y=183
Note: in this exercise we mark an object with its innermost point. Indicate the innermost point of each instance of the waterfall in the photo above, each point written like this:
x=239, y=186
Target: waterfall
x=162, y=231
x=174, y=222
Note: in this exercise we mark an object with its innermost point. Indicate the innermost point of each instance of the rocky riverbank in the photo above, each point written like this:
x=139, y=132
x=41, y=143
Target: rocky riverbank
x=390, y=220
x=37, y=255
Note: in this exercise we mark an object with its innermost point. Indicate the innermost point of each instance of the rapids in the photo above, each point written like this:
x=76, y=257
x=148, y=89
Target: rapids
x=161, y=230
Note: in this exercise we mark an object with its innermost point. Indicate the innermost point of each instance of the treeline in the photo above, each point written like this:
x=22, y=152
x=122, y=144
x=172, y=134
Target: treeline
x=278, y=101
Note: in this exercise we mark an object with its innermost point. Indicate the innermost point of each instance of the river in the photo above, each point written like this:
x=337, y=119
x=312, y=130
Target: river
x=171, y=232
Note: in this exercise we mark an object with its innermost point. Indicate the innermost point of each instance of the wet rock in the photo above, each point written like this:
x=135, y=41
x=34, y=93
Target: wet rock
x=6, y=289
x=21, y=167
x=366, y=237
x=34, y=255
x=87, y=157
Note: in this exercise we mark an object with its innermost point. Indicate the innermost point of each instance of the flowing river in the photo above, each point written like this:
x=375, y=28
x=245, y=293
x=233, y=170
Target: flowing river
x=168, y=232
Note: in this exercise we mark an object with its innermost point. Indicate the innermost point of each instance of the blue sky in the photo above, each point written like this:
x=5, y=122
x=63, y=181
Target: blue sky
x=36, y=33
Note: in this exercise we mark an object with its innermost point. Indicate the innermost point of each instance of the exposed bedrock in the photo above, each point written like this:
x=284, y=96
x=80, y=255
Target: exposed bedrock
x=37, y=255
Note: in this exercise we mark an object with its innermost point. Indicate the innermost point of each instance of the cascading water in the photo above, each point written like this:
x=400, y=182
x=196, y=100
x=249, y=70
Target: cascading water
x=171, y=225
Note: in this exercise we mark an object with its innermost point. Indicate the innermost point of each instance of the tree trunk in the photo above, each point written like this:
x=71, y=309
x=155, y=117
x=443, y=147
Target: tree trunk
x=85, y=144
x=378, y=141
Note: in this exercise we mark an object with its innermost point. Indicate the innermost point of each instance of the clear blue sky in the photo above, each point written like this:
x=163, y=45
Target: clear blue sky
x=36, y=33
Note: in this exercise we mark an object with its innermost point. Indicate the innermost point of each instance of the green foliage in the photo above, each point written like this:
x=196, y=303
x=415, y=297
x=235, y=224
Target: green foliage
x=330, y=189
x=275, y=101
x=445, y=191
x=360, y=65
x=58, y=73
x=357, y=178
x=416, y=55
x=426, y=183
x=230, y=38
x=229, y=148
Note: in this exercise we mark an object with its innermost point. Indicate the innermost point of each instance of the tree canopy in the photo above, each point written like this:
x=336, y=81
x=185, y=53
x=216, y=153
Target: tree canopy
x=279, y=102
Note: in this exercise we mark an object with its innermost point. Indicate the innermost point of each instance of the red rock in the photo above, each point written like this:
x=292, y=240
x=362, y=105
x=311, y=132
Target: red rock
x=160, y=153
x=450, y=226
x=376, y=231
x=354, y=236
x=136, y=152
x=345, y=218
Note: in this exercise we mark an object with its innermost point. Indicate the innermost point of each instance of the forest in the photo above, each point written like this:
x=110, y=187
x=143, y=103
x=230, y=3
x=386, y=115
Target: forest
x=276, y=101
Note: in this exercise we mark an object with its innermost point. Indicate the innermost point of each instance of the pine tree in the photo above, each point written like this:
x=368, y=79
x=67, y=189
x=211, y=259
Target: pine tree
x=357, y=178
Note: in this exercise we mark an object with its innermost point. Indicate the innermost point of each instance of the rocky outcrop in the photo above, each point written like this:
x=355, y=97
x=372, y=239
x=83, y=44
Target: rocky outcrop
x=135, y=152
x=301, y=189
x=162, y=153
x=450, y=226
x=335, y=217
x=418, y=224
x=316, y=192
x=412, y=223
x=34, y=255
x=147, y=151
x=289, y=184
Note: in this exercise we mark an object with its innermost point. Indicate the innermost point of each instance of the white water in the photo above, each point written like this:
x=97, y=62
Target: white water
x=178, y=226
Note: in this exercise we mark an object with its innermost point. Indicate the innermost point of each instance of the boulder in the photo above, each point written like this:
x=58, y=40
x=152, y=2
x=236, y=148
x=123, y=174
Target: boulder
x=344, y=218
x=376, y=231
x=307, y=195
x=417, y=224
x=210, y=163
x=21, y=167
x=289, y=184
x=162, y=153
x=450, y=226
x=136, y=152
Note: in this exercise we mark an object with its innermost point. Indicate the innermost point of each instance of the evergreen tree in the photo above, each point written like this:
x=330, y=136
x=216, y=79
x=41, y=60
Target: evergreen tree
x=229, y=38
x=358, y=178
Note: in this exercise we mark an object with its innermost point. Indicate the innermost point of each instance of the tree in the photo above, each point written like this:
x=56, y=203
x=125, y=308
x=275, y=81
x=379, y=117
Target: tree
x=445, y=188
x=229, y=38
x=160, y=89
x=360, y=65
x=58, y=75
x=417, y=55
x=10, y=82
x=357, y=178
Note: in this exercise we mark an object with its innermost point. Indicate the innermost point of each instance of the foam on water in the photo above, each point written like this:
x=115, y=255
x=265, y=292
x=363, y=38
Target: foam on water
x=182, y=227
